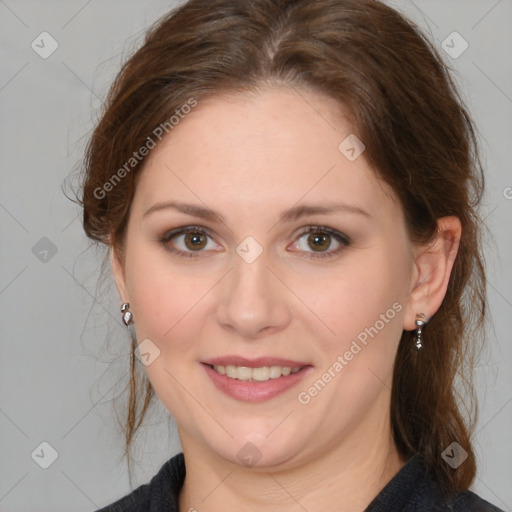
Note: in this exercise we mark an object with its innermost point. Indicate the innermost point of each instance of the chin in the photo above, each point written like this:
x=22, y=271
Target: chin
x=252, y=449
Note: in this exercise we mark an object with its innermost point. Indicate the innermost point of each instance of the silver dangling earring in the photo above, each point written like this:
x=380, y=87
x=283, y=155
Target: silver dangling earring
x=421, y=320
x=127, y=315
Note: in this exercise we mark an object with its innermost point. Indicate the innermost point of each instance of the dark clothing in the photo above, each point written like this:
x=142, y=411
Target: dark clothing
x=410, y=490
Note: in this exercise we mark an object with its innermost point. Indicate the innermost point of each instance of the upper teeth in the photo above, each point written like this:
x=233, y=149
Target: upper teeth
x=260, y=374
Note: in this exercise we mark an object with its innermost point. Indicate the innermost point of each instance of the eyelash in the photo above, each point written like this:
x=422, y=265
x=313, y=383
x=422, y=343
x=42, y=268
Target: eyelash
x=339, y=237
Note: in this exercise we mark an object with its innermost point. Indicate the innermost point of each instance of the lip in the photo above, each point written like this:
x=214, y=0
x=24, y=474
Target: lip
x=254, y=363
x=255, y=392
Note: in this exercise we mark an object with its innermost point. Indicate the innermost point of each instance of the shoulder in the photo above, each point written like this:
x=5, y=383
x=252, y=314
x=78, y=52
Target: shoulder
x=469, y=501
x=136, y=500
x=159, y=494
x=429, y=497
x=414, y=489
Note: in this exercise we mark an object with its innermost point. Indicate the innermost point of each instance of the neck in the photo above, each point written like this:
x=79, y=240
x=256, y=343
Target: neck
x=350, y=475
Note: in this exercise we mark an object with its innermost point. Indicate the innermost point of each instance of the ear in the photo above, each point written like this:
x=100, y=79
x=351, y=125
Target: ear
x=432, y=268
x=119, y=275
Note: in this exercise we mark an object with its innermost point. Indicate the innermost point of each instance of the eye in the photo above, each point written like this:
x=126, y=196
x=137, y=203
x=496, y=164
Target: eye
x=188, y=242
x=191, y=241
x=320, y=239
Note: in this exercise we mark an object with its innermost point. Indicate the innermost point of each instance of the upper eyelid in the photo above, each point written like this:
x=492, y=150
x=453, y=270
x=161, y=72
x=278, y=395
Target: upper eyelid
x=186, y=229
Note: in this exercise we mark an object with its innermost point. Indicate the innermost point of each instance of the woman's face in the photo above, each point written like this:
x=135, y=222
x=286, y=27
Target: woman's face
x=248, y=286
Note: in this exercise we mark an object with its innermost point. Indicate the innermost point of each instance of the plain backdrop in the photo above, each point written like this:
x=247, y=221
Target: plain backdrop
x=64, y=351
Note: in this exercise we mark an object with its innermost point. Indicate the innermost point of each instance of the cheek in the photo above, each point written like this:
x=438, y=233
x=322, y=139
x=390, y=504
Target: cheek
x=161, y=298
x=361, y=300
x=164, y=307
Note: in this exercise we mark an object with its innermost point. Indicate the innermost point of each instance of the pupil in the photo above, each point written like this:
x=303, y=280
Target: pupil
x=319, y=241
x=195, y=241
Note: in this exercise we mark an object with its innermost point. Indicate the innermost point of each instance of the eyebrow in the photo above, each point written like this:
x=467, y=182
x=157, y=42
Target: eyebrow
x=289, y=215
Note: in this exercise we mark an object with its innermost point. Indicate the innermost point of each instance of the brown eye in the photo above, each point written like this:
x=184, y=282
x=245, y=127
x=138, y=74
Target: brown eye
x=195, y=241
x=189, y=241
x=319, y=241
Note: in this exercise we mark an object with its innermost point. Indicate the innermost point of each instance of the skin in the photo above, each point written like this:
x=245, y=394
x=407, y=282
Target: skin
x=251, y=157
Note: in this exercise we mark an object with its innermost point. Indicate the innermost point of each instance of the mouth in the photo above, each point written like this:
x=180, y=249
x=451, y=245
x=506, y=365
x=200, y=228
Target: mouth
x=257, y=374
x=255, y=380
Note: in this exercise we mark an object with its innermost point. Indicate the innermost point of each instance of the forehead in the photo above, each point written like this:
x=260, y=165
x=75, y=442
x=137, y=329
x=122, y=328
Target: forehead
x=264, y=151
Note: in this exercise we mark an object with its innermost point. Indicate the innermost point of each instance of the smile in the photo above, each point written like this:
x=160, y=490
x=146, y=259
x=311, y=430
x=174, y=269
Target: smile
x=256, y=383
x=260, y=374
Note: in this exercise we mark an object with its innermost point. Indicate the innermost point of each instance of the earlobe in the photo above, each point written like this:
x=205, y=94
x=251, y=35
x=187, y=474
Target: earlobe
x=432, y=269
x=118, y=273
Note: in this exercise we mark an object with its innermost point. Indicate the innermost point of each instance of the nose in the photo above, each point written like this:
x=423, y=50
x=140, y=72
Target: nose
x=253, y=302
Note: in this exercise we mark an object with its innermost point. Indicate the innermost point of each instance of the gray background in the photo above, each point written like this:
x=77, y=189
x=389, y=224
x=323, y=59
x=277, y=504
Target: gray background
x=64, y=350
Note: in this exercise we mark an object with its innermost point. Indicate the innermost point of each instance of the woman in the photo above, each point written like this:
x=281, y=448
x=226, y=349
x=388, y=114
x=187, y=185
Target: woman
x=288, y=191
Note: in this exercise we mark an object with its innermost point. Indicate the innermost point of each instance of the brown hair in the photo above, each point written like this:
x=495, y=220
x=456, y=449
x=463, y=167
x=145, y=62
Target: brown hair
x=419, y=138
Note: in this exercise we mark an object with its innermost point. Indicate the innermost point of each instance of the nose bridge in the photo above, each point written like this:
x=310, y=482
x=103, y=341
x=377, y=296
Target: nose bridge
x=253, y=299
